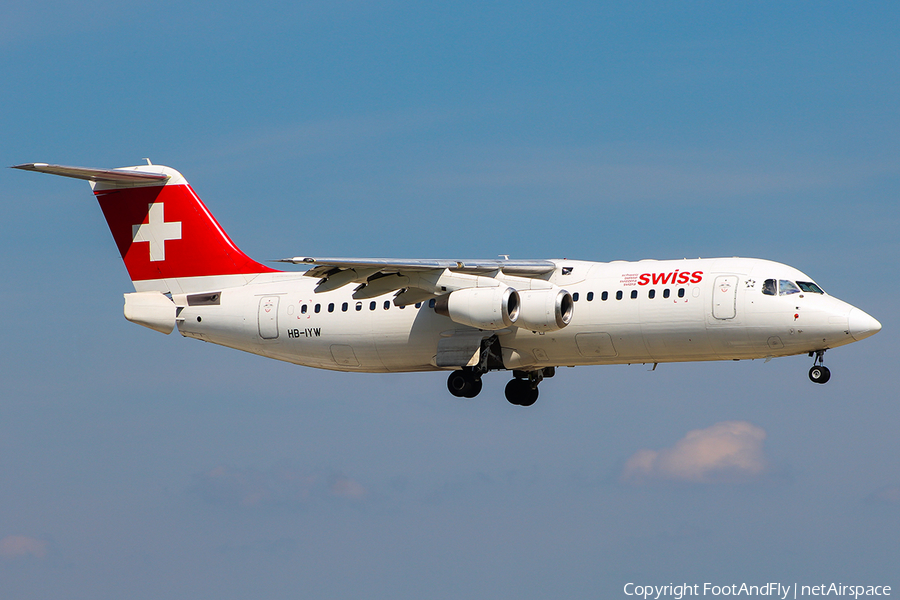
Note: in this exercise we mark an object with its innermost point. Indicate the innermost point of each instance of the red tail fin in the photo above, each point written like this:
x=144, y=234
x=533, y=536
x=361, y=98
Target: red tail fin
x=167, y=237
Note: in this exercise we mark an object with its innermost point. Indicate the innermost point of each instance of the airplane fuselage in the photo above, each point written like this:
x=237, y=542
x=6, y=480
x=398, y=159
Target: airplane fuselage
x=624, y=312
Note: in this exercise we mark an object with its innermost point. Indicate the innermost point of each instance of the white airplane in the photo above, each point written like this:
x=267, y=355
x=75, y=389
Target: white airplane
x=466, y=316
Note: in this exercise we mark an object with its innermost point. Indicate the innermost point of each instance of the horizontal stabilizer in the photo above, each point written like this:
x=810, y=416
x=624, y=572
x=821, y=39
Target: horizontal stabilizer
x=110, y=175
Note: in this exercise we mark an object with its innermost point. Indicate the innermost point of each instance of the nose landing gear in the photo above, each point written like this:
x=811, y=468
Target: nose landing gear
x=819, y=373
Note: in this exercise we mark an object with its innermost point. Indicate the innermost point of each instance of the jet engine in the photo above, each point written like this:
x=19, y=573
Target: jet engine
x=544, y=310
x=488, y=308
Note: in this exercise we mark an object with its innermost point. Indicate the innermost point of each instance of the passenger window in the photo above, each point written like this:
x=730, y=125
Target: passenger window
x=372, y=305
x=344, y=307
x=418, y=305
x=633, y=294
x=666, y=293
x=651, y=294
x=318, y=307
x=619, y=295
x=402, y=306
x=331, y=307
x=681, y=292
x=785, y=288
x=575, y=296
x=768, y=287
x=431, y=303
x=590, y=296
x=303, y=310
x=358, y=306
x=604, y=296
x=387, y=304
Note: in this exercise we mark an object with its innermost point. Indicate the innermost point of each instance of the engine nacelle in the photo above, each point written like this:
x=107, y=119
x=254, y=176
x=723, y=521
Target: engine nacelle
x=544, y=310
x=488, y=308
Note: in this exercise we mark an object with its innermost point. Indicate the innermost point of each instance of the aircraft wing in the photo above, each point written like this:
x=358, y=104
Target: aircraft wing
x=414, y=279
x=327, y=266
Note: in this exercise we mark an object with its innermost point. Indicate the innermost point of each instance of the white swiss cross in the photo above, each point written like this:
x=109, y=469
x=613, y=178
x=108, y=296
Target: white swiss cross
x=157, y=231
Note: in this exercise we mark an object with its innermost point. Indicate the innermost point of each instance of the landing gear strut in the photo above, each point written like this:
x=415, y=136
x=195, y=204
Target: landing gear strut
x=819, y=373
x=466, y=382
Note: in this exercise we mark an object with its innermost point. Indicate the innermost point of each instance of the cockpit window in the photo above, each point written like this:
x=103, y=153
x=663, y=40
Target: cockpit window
x=786, y=288
x=809, y=286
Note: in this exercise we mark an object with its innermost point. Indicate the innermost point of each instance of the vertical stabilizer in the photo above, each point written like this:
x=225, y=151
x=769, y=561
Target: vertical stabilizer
x=169, y=240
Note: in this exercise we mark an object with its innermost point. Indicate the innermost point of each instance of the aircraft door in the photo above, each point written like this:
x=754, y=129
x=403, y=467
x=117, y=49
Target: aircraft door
x=268, y=317
x=724, y=297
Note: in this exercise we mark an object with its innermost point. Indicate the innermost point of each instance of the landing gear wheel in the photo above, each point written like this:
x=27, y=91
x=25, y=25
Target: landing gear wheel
x=819, y=374
x=476, y=388
x=521, y=393
x=458, y=384
x=530, y=396
x=464, y=384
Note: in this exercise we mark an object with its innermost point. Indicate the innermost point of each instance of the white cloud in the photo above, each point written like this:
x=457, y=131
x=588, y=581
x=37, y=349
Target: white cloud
x=285, y=487
x=15, y=546
x=725, y=452
x=347, y=488
x=887, y=495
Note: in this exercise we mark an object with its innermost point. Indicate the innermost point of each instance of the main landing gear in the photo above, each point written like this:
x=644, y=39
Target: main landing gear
x=819, y=373
x=465, y=383
x=522, y=390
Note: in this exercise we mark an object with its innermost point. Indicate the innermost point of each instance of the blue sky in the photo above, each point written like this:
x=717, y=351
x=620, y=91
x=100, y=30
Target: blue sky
x=138, y=465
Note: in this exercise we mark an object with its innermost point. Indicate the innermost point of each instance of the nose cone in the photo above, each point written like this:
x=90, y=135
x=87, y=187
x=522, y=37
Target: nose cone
x=862, y=325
